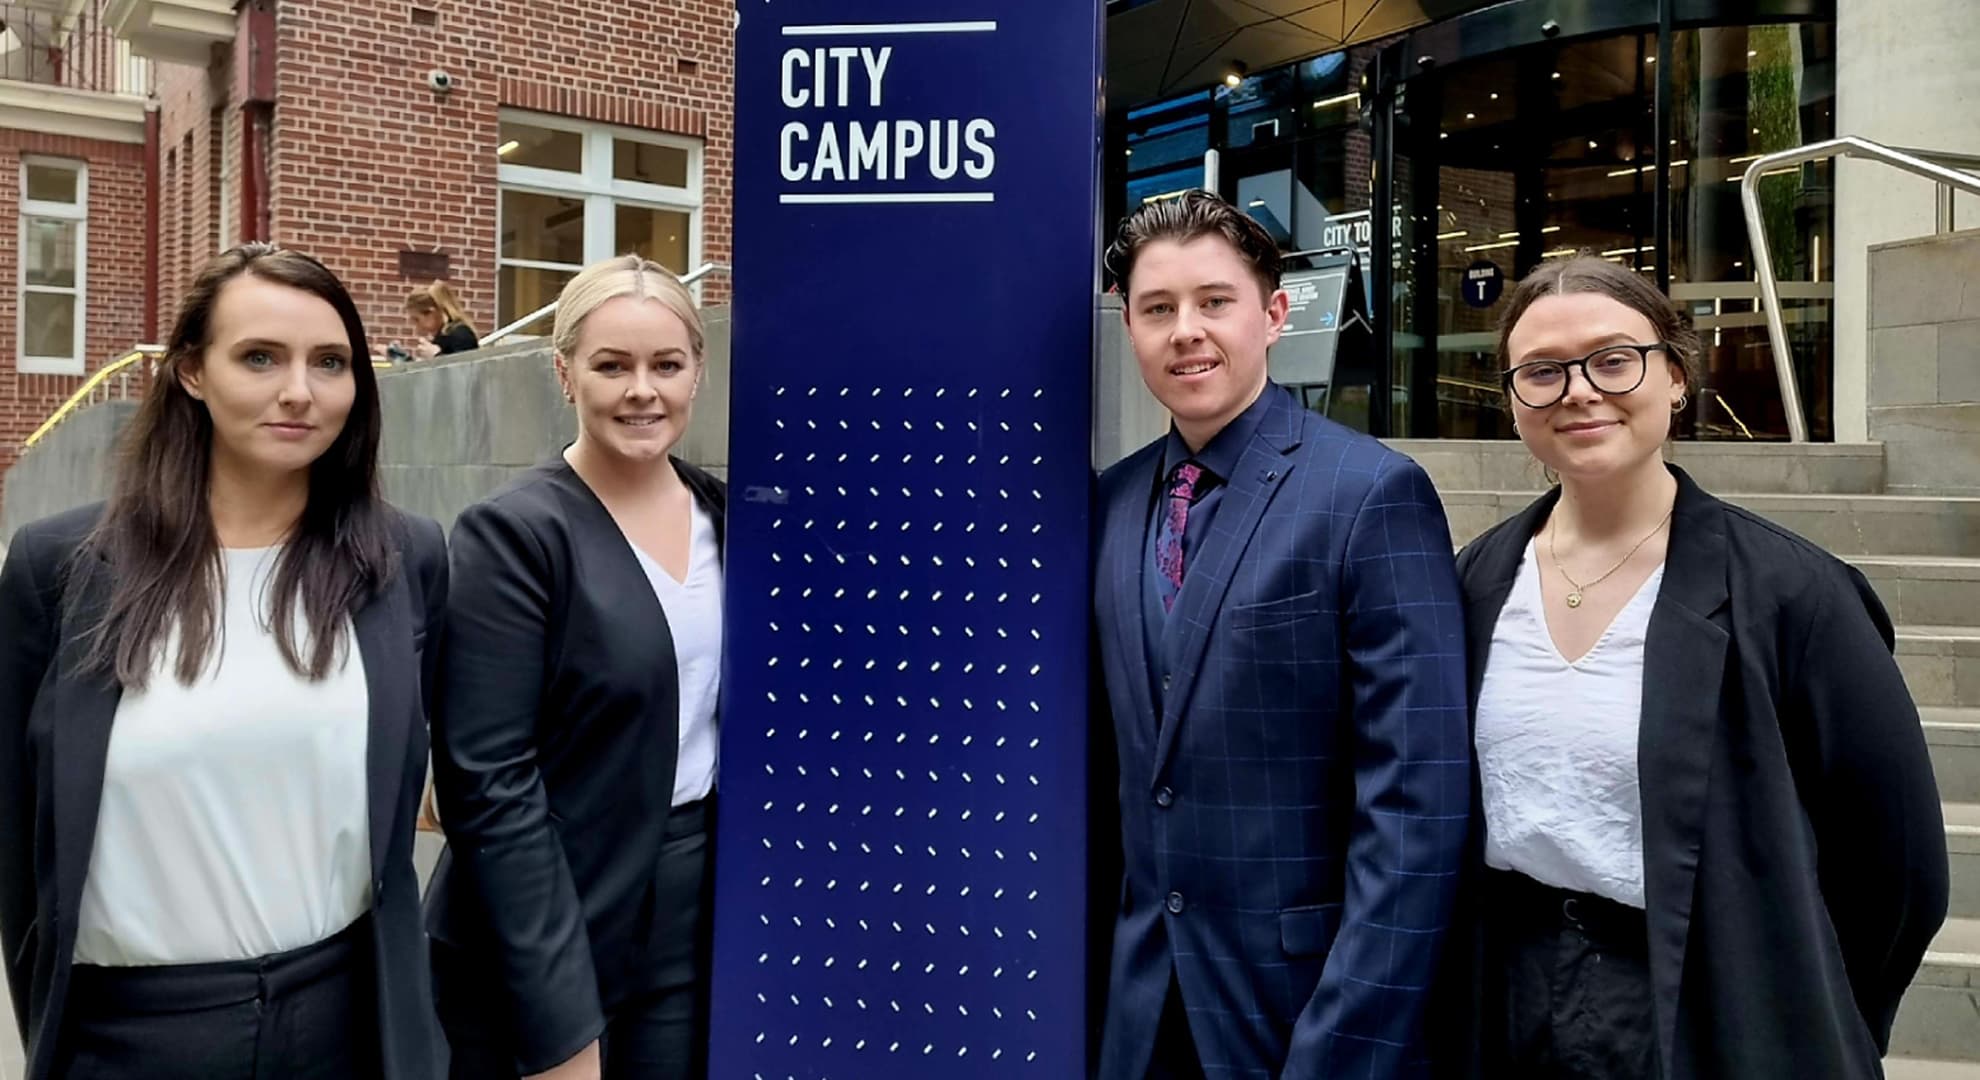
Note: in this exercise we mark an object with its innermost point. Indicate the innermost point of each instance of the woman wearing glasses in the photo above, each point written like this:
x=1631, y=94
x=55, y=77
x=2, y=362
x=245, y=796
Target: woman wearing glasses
x=1709, y=841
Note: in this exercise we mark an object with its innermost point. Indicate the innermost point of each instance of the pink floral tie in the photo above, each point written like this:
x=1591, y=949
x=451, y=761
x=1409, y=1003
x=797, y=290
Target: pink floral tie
x=1169, y=542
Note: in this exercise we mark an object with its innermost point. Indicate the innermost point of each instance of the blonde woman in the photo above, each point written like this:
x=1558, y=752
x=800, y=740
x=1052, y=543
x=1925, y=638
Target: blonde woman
x=441, y=321
x=575, y=754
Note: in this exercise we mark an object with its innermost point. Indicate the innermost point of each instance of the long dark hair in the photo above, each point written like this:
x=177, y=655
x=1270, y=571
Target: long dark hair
x=157, y=533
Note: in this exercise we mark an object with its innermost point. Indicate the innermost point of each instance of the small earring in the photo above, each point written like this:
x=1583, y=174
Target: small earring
x=1678, y=405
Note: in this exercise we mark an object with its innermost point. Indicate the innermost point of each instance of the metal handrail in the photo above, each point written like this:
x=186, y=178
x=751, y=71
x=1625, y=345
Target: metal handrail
x=688, y=278
x=87, y=391
x=1930, y=164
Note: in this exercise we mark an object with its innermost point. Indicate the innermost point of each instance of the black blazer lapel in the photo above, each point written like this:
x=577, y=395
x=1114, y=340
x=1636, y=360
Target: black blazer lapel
x=85, y=709
x=384, y=633
x=1487, y=570
x=1684, y=660
x=1260, y=474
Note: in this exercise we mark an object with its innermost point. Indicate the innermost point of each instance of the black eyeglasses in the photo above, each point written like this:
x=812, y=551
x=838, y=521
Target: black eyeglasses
x=1611, y=369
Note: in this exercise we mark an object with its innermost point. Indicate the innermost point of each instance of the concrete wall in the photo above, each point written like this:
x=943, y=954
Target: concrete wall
x=1924, y=362
x=65, y=470
x=1905, y=76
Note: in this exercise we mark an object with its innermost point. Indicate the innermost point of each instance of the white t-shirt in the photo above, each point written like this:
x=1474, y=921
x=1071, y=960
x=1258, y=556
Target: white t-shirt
x=694, y=616
x=1557, y=743
x=234, y=821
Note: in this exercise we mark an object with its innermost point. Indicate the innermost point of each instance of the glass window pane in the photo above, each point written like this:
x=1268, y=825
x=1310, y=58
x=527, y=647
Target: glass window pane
x=521, y=290
x=660, y=235
x=51, y=324
x=649, y=164
x=540, y=147
x=52, y=183
x=51, y=252
x=542, y=228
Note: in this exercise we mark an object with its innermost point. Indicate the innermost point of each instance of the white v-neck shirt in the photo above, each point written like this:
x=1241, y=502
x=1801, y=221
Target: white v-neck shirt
x=234, y=821
x=694, y=617
x=1557, y=746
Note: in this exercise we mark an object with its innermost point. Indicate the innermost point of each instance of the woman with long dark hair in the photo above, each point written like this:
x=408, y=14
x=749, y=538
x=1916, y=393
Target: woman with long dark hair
x=212, y=732
x=1707, y=843
x=575, y=753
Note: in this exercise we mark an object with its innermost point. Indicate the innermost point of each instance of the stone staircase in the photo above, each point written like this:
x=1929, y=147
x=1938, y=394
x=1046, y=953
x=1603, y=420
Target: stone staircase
x=1922, y=553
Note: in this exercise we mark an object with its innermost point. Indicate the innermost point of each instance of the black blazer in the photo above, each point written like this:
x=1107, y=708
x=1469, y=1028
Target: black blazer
x=55, y=735
x=555, y=746
x=1794, y=855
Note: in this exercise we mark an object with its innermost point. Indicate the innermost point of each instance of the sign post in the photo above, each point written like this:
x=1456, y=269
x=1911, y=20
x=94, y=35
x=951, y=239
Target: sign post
x=901, y=862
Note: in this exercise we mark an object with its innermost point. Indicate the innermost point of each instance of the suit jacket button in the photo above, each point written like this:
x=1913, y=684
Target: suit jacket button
x=1175, y=903
x=378, y=887
x=1165, y=798
x=1165, y=681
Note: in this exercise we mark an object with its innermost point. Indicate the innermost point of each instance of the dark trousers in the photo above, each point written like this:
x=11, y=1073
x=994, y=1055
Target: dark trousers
x=1567, y=984
x=307, y=1014
x=658, y=1034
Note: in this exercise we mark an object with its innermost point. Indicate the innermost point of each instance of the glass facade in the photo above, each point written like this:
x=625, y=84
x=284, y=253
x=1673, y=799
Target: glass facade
x=1514, y=152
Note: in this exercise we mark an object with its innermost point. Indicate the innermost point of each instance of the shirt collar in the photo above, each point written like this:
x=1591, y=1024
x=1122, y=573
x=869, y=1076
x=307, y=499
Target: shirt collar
x=1220, y=456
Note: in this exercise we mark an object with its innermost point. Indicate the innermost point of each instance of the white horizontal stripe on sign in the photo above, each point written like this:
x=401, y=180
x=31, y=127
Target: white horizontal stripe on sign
x=895, y=197
x=837, y=29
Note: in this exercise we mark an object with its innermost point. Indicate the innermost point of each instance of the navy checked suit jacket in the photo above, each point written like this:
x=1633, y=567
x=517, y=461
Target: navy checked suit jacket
x=1293, y=819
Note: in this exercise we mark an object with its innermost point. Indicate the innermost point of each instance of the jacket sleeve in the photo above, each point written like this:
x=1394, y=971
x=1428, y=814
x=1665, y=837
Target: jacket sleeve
x=1879, y=834
x=1404, y=635
x=26, y=633
x=492, y=799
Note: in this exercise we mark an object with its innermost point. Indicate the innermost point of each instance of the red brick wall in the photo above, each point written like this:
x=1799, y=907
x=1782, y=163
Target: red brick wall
x=368, y=160
x=114, y=275
x=191, y=112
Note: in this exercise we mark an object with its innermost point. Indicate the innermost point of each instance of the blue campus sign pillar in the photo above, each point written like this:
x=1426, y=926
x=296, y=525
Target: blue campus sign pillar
x=902, y=866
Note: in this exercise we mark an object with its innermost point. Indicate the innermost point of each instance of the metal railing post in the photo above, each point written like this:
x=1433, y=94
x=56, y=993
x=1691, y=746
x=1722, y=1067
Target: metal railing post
x=1930, y=164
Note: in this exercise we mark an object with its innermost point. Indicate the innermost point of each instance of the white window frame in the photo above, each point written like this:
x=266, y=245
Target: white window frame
x=77, y=212
x=599, y=191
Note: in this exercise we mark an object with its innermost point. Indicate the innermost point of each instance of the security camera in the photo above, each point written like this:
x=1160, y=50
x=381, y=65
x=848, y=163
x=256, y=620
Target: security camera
x=440, y=81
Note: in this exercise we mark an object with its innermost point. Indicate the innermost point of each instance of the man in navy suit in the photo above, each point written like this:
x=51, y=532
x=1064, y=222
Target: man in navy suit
x=1283, y=652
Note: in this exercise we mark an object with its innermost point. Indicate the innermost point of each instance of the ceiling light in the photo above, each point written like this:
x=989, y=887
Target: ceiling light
x=504, y=149
x=1649, y=59
x=1443, y=134
x=1751, y=53
x=1495, y=96
x=1471, y=116
x=1593, y=145
x=1491, y=247
x=1234, y=75
x=1557, y=74
x=1352, y=95
x=1452, y=235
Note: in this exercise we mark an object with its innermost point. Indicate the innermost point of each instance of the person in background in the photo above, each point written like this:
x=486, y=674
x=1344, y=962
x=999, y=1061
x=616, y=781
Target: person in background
x=441, y=321
x=212, y=719
x=575, y=754
x=1283, y=656
x=1708, y=842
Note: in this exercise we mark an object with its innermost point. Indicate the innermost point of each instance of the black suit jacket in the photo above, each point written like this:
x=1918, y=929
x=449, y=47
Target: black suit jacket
x=55, y=734
x=1794, y=855
x=555, y=747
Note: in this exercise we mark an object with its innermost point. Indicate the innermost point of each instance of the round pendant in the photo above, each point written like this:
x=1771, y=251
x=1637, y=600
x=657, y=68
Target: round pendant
x=1574, y=599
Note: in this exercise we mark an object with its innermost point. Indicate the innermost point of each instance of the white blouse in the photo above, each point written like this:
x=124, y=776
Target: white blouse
x=234, y=818
x=1557, y=746
x=694, y=617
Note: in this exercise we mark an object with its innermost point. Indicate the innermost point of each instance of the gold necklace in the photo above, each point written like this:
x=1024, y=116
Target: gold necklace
x=1574, y=597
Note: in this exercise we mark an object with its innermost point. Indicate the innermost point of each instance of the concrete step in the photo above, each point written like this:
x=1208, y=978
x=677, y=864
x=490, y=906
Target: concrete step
x=1808, y=469
x=1940, y=1017
x=1963, y=850
x=1900, y=1068
x=1845, y=524
x=1939, y=590
x=1941, y=664
x=1953, y=736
